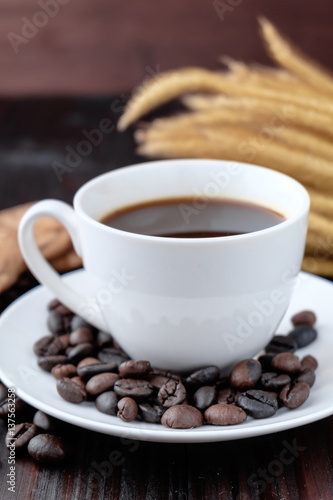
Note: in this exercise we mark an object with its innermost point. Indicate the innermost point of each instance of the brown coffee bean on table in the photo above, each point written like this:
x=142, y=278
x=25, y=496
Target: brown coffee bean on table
x=308, y=376
x=204, y=376
x=88, y=361
x=304, y=318
x=81, y=335
x=245, y=374
x=47, y=449
x=274, y=381
x=225, y=414
x=309, y=362
x=151, y=413
x=134, y=369
x=62, y=371
x=281, y=343
x=286, y=362
x=107, y=403
x=182, y=417
x=127, y=409
x=21, y=435
x=228, y=395
x=48, y=362
x=134, y=388
x=86, y=372
x=204, y=397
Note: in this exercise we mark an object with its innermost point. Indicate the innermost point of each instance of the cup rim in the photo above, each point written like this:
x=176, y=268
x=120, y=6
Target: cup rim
x=179, y=240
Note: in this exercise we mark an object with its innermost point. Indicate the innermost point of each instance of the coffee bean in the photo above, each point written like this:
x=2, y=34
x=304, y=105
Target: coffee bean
x=134, y=388
x=81, y=335
x=308, y=376
x=48, y=362
x=134, y=369
x=265, y=361
x=78, y=322
x=304, y=318
x=87, y=361
x=79, y=382
x=80, y=351
x=172, y=393
x=245, y=374
x=107, y=403
x=88, y=371
x=182, y=417
x=157, y=378
x=204, y=397
x=53, y=304
x=41, y=345
x=286, y=362
x=62, y=371
x=228, y=395
x=128, y=409
x=222, y=414
x=103, y=339
x=71, y=391
x=151, y=413
x=58, y=345
x=21, y=435
x=112, y=355
x=47, y=449
x=258, y=404
x=303, y=335
x=45, y=422
x=281, y=343
x=21, y=407
x=101, y=383
x=273, y=381
x=294, y=395
x=56, y=323
x=309, y=362
x=204, y=376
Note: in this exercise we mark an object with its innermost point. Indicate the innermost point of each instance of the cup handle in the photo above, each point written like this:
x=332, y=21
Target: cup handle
x=40, y=267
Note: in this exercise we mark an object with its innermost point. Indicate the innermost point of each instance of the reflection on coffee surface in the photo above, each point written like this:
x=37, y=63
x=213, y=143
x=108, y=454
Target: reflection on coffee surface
x=193, y=218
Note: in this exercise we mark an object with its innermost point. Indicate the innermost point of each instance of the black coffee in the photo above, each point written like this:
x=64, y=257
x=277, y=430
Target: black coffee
x=190, y=218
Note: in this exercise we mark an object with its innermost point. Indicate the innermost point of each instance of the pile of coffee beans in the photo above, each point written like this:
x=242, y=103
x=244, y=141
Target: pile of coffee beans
x=88, y=365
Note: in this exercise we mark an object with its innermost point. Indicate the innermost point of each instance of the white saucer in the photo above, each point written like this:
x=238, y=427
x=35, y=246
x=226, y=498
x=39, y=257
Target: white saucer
x=25, y=321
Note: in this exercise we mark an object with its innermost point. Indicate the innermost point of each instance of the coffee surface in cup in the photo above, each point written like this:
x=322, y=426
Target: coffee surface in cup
x=193, y=218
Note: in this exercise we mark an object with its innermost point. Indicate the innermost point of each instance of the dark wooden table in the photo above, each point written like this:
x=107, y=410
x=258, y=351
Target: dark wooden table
x=35, y=134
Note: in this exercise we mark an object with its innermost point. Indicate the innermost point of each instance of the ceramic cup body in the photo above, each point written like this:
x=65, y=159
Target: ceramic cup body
x=181, y=303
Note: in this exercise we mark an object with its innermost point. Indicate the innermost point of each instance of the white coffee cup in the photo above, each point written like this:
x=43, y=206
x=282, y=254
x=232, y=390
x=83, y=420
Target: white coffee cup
x=181, y=303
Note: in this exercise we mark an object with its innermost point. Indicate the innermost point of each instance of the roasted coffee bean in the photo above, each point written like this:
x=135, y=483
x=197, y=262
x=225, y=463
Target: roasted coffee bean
x=80, y=351
x=204, y=397
x=304, y=318
x=294, y=395
x=309, y=362
x=112, y=355
x=48, y=362
x=308, y=376
x=103, y=339
x=58, y=346
x=228, y=395
x=221, y=414
x=303, y=335
x=88, y=361
x=134, y=388
x=56, y=323
x=286, y=362
x=151, y=413
x=281, y=343
x=274, y=381
x=21, y=435
x=127, y=409
x=204, y=376
x=79, y=382
x=78, y=322
x=71, y=391
x=81, y=335
x=157, y=378
x=101, y=383
x=107, y=403
x=182, y=417
x=265, y=360
x=56, y=305
x=258, y=404
x=45, y=422
x=62, y=371
x=134, y=369
x=172, y=393
x=8, y=403
x=53, y=304
x=245, y=374
x=41, y=345
x=47, y=449
x=88, y=371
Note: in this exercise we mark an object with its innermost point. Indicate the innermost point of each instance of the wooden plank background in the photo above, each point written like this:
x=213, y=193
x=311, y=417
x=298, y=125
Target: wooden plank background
x=108, y=46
